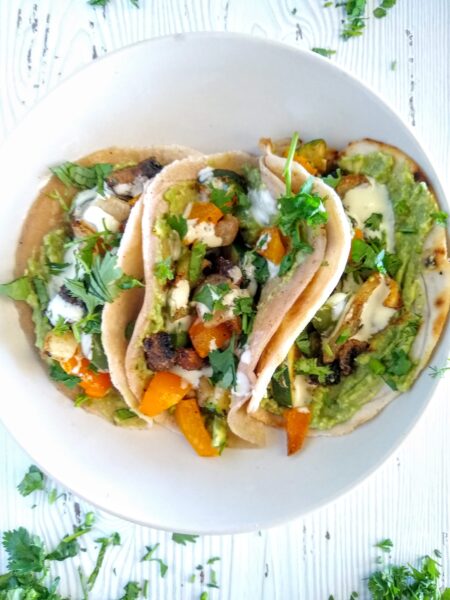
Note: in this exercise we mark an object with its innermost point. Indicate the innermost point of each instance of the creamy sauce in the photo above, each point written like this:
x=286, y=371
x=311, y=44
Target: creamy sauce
x=242, y=388
x=203, y=232
x=369, y=198
x=205, y=175
x=263, y=206
x=86, y=345
x=100, y=220
x=59, y=308
x=246, y=357
x=235, y=273
x=193, y=377
x=179, y=296
x=56, y=281
x=302, y=392
x=337, y=304
x=375, y=316
x=273, y=269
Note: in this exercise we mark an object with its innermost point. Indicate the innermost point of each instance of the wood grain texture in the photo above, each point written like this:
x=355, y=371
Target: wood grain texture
x=329, y=551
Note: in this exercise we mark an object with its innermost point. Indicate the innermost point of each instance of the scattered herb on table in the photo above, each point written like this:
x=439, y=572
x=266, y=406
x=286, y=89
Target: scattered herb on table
x=324, y=52
x=183, y=538
x=34, y=479
x=104, y=3
x=438, y=372
x=105, y=542
x=132, y=591
x=148, y=556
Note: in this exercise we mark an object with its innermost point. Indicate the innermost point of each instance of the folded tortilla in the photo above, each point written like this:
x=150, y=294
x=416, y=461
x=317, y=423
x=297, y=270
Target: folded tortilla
x=307, y=290
x=278, y=295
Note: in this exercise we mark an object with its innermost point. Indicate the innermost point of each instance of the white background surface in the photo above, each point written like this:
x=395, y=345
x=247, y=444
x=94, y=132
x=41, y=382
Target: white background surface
x=330, y=551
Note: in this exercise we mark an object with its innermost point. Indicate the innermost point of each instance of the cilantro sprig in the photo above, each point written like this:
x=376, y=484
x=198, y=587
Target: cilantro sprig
x=310, y=366
x=224, y=363
x=211, y=296
x=33, y=480
x=84, y=178
x=183, y=538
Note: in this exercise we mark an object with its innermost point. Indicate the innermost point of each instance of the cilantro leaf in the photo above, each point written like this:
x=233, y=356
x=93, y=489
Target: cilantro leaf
x=132, y=590
x=398, y=363
x=222, y=198
x=178, y=223
x=310, y=366
x=33, y=480
x=367, y=256
x=18, y=289
x=243, y=307
x=333, y=180
x=163, y=568
x=385, y=545
x=64, y=550
x=58, y=374
x=163, y=270
x=83, y=178
x=223, y=363
x=438, y=372
x=374, y=221
x=355, y=18
x=211, y=296
x=440, y=217
x=303, y=343
x=182, y=538
x=25, y=551
x=326, y=52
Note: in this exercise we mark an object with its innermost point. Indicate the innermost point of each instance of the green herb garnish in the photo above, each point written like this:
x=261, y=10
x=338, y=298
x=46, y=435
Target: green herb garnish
x=105, y=542
x=324, y=52
x=374, y=221
x=183, y=538
x=58, y=374
x=211, y=296
x=309, y=366
x=438, y=372
x=196, y=262
x=178, y=223
x=223, y=363
x=83, y=178
x=163, y=271
x=440, y=217
x=132, y=591
x=33, y=480
x=148, y=556
x=243, y=307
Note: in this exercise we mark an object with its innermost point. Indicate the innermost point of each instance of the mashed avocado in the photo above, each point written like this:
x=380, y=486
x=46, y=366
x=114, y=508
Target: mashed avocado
x=338, y=403
x=180, y=195
x=413, y=205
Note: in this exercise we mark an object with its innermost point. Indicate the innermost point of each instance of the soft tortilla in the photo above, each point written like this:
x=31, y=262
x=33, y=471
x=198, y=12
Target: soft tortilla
x=435, y=283
x=312, y=290
x=124, y=310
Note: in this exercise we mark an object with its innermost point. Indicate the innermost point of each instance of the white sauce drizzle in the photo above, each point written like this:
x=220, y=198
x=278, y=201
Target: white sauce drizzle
x=375, y=316
x=263, y=206
x=366, y=199
x=193, y=377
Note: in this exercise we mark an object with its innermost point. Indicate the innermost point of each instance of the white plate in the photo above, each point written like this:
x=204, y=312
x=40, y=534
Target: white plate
x=212, y=92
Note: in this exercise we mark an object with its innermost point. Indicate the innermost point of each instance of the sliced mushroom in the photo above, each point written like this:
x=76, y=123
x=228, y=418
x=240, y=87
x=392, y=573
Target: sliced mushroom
x=347, y=354
x=129, y=182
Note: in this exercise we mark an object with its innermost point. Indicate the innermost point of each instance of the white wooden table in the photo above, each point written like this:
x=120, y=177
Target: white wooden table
x=330, y=551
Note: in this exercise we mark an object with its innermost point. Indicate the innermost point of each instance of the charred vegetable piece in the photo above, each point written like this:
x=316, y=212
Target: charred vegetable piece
x=270, y=245
x=191, y=423
x=297, y=426
x=205, y=339
x=60, y=346
x=313, y=156
x=164, y=390
x=96, y=385
x=188, y=359
x=159, y=352
x=347, y=354
x=122, y=181
x=205, y=211
x=196, y=262
x=226, y=173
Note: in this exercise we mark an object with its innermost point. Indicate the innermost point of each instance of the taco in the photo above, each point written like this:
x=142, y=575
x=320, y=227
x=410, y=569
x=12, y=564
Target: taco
x=376, y=332
x=79, y=250
x=228, y=249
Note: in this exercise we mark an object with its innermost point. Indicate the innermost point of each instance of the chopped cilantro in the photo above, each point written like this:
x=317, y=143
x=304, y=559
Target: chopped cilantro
x=223, y=363
x=61, y=327
x=343, y=337
x=309, y=366
x=163, y=270
x=440, y=217
x=438, y=372
x=83, y=178
x=376, y=366
x=25, y=551
x=131, y=590
x=123, y=414
x=183, y=538
x=355, y=18
x=211, y=296
x=212, y=560
x=58, y=374
x=398, y=363
x=393, y=65
x=381, y=10
x=178, y=223
x=163, y=568
x=333, y=180
x=222, y=198
x=303, y=343
x=33, y=480
x=324, y=52
x=243, y=307
x=212, y=583
x=105, y=542
x=374, y=221
x=385, y=545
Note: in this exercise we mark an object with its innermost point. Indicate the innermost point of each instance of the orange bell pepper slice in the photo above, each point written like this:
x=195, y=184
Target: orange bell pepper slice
x=205, y=339
x=273, y=249
x=191, y=423
x=358, y=234
x=297, y=426
x=95, y=384
x=164, y=390
x=206, y=211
